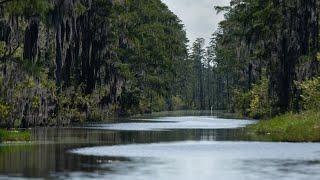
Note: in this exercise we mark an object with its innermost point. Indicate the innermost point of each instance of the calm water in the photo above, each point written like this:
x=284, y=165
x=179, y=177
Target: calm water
x=175, y=147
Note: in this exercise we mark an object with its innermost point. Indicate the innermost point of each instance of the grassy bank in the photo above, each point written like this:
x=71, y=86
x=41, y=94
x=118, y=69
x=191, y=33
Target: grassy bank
x=303, y=127
x=14, y=135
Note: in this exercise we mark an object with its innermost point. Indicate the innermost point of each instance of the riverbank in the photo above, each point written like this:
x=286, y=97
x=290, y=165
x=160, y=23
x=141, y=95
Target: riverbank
x=14, y=135
x=303, y=127
x=215, y=113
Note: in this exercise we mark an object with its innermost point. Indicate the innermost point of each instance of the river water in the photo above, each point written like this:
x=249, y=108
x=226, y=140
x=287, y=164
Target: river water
x=170, y=147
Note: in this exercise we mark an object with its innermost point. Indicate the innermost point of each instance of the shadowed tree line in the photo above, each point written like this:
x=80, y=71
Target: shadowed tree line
x=264, y=58
x=66, y=61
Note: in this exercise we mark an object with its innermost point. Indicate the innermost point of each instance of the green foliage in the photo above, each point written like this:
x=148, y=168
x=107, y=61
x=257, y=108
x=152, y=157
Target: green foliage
x=259, y=105
x=5, y=110
x=28, y=8
x=80, y=9
x=2, y=48
x=253, y=43
x=158, y=104
x=130, y=57
x=254, y=103
x=154, y=47
x=128, y=62
x=318, y=56
x=32, y=68
x=14, y=135
x=303, y=127
x=178, y=103
x=144, y=105
x=241, y=101
x=35, y=102
x=310, y=93
x=130, y=102
x=77, y=107
x=28, y=83
x=72, y=106
x=23, y=93
x=124, y=70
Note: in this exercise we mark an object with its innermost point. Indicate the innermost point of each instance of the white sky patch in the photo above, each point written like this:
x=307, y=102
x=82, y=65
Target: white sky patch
x=198, y=16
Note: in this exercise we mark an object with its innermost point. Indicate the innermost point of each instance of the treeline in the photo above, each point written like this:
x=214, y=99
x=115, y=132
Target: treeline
x=265, y=57
x=200, y=88
x=66, y=61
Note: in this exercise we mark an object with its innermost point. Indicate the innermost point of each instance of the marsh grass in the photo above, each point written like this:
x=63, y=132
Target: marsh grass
x=303, y=127
x=14, y=135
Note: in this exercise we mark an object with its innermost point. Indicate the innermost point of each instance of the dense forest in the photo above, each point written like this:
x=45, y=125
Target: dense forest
x=64, y=61
x=264, y=58
x=67, y=61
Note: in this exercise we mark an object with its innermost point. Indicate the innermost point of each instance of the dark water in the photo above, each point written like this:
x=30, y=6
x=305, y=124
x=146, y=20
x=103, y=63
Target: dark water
x=180, y=147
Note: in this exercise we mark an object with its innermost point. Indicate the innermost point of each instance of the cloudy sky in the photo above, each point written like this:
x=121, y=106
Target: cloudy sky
x=199, y=16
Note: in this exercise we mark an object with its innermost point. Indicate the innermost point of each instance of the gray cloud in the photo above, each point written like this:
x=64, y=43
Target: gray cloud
x=199, y=16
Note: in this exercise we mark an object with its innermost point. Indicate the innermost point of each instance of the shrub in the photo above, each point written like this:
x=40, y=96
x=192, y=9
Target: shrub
x=177, y=103
x=259, y=103
x=158, y=104
x=241, y=102
x=4, y=111
x=310, y=93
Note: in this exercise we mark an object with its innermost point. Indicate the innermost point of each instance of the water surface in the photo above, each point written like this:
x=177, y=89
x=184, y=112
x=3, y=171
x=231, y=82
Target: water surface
x=169, y=147
x=210, y=159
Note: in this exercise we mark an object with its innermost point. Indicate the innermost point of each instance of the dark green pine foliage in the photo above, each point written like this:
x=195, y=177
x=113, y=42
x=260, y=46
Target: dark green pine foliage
x=203, y=84
x=197, y=57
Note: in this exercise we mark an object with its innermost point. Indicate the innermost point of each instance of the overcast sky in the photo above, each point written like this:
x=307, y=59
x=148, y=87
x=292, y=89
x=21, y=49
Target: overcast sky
x=198, y=16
